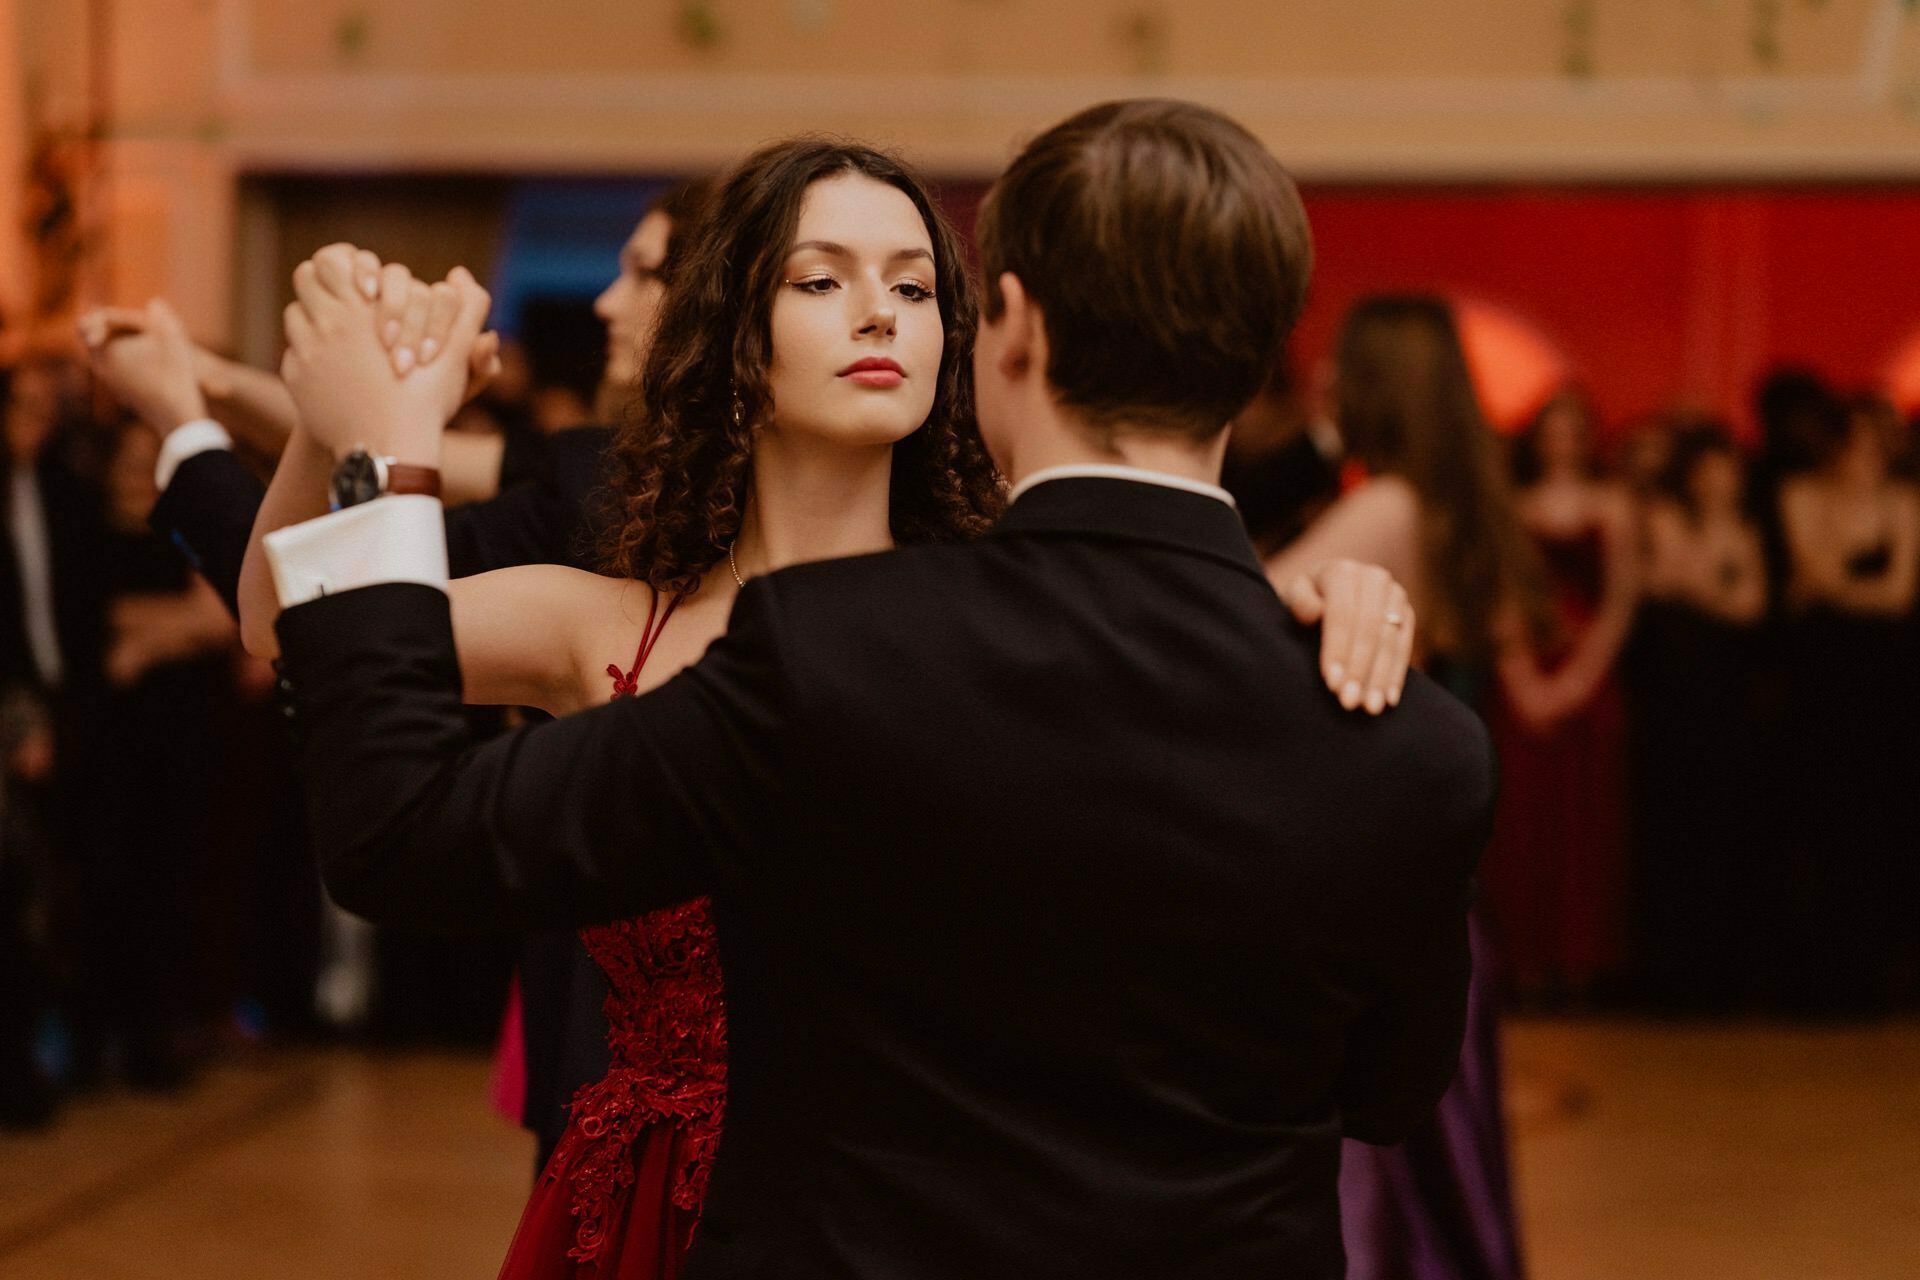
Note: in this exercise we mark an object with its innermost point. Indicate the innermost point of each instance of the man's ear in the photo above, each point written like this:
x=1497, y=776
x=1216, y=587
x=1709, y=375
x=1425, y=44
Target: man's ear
x=1023, y=338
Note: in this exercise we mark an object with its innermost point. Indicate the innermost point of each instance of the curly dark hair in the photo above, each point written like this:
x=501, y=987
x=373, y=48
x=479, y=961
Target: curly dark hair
x=682, y=463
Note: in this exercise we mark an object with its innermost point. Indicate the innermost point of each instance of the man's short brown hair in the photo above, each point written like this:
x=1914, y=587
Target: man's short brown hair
x=1168, y=251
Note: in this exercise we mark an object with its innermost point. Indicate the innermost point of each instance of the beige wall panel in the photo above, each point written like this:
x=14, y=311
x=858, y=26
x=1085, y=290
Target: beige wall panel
x=1393, y=90
x=1371, y=89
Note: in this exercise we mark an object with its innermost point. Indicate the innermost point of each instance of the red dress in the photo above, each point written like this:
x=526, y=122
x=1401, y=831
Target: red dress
x=1555, y=877
x=621, y=1196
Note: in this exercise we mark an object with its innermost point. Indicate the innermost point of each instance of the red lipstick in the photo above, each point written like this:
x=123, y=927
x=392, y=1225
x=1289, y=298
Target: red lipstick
x=875, y=371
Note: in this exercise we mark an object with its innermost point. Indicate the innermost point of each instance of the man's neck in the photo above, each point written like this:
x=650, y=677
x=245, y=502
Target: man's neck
x=1060, y=439
x=815, y=502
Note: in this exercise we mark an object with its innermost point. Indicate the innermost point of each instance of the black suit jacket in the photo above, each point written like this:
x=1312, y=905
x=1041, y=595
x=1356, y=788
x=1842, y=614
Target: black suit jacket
x=76, y=553
x=549, y=517
x=1067, y=921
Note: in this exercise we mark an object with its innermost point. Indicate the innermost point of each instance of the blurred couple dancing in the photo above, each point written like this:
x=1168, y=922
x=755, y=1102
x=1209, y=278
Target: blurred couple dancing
x=1068, y=922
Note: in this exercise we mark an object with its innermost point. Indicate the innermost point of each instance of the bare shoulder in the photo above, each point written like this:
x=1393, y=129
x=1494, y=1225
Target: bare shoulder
x=547, y=586
x=1388, y=499
x=1376, y=523
x=1385, y=510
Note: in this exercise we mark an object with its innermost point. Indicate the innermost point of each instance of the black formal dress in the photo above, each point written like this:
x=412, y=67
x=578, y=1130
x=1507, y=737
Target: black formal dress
x=1700, y=805
x=156, y=771
x=548, y=516
x=1067, y=921
x=1851, y=780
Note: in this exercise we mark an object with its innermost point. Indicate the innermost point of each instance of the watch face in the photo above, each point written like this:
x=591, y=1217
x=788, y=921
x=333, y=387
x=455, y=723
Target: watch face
x=356, y=479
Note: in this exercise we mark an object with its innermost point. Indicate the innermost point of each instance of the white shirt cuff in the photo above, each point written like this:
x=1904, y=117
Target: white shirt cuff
x=399, y=538
x=183, y=442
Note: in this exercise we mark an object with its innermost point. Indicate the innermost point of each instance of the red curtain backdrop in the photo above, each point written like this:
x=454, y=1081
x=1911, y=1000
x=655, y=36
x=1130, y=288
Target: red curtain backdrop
x=1649, y=296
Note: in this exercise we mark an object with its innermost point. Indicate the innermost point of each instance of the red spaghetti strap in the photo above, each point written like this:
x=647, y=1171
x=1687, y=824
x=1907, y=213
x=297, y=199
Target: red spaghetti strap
x=626, y=684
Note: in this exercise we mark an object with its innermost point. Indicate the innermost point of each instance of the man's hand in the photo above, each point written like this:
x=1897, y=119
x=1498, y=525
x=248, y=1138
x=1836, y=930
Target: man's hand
x=145, y=359
x=350, y=391
x=415, y=336
x=1366, y=636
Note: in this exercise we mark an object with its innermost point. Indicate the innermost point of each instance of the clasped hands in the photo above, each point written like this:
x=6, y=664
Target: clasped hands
x=378, y=360
x=145, y=359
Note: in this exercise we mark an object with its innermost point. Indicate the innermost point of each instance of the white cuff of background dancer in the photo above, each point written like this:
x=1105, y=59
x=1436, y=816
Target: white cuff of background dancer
x=399, y=538
x=183, y=442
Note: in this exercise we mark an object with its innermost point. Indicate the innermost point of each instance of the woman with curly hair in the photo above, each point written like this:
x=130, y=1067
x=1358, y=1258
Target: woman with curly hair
x=808, y=395
x=827, y=284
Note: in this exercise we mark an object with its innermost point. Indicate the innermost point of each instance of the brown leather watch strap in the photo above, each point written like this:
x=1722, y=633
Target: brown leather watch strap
x=404, y=477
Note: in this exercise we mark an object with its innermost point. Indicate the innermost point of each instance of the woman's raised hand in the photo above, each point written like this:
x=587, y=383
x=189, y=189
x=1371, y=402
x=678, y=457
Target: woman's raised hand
x=354, y=388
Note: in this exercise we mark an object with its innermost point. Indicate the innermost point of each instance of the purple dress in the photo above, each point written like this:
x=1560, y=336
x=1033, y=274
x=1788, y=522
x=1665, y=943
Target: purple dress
x=1439, y=1205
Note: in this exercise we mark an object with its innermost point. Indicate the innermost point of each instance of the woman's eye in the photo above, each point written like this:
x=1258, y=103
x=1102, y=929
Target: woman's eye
x=816, y=284
x=914, y=292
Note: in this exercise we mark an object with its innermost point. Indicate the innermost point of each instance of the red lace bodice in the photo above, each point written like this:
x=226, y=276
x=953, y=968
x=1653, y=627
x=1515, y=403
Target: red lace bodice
x=667, y=1029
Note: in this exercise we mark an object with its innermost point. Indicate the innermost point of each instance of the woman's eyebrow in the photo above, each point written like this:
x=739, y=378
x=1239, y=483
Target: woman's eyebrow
x=840, y=250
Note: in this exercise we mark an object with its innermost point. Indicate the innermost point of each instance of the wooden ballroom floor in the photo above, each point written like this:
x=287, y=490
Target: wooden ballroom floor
x=1643, y=1152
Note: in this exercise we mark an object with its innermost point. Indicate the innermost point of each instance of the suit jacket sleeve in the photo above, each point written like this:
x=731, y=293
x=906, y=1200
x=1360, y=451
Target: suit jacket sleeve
x=541, y=519
x=207, y=511
x=594, y=817
x=524, y=524
x=1404, y=1053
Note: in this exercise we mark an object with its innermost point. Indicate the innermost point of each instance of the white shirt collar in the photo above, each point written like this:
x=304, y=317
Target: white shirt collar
x=1118, y=471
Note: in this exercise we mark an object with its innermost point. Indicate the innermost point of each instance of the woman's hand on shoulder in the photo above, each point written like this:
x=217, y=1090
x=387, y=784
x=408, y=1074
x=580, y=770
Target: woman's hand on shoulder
x=1366, y=630
x=1334, y=575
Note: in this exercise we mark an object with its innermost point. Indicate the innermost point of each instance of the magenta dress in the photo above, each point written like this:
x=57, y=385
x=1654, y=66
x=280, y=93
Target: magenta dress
x=1439, y=1206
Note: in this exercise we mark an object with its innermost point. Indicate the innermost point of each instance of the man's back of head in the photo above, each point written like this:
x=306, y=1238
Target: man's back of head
x=1168, y=251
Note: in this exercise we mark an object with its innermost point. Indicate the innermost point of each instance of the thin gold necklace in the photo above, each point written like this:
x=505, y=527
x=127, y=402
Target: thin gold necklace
x=734, y=565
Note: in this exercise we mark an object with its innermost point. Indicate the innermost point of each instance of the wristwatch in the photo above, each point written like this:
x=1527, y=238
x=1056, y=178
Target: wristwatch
x=362, y=477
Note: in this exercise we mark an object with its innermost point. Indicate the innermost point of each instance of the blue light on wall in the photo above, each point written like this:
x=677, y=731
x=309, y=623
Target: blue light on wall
x=562, y=239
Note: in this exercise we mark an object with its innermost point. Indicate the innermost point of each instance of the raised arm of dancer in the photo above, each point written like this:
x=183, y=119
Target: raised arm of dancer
x=503, y=660
x=297, y=493
x=412, y=821
x=209, y=499
x=255, y=404
x=142, y=355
